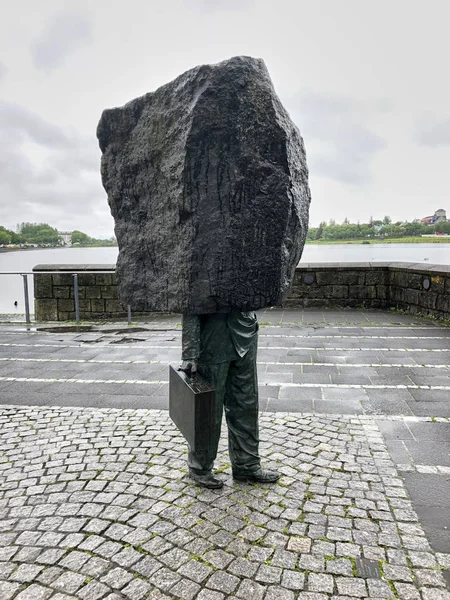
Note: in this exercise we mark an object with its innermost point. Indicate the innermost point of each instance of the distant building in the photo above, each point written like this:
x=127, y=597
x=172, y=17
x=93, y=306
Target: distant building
x=66, y=237
x=439, y=216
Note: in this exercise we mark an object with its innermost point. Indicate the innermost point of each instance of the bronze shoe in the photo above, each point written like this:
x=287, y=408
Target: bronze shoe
x=259, y=476
x=206, y=480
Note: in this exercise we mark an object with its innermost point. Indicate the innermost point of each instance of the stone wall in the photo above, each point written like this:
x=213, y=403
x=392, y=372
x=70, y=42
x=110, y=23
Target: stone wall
x=54, y=298
x=416, y=288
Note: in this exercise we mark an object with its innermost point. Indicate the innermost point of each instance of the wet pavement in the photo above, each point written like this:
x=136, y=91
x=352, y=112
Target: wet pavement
x=95, y=501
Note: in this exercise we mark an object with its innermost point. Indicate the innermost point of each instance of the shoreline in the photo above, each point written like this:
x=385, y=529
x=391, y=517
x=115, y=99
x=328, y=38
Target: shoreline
x=52, y=248
x=436, y=240
x=23, y=249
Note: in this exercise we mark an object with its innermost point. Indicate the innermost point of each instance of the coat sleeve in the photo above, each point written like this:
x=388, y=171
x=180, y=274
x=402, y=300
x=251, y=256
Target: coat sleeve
x=190, y=337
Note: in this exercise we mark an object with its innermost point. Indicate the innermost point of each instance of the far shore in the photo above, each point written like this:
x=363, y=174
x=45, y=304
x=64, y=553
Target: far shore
x=404, y=240
x=321, y=242
x=26, y=249
x=51, y=248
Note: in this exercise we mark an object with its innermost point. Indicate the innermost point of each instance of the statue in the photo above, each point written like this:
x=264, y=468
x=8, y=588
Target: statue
x=222, y=347
x=208, y=185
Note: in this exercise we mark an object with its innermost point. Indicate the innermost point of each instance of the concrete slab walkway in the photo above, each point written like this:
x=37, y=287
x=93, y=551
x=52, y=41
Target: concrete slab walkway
x=95, y=502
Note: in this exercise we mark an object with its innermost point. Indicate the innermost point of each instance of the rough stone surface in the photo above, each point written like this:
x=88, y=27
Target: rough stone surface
x=208, y=185
x=125, y=469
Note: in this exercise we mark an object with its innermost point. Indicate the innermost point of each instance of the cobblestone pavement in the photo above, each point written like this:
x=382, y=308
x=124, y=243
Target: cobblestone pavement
x=95, y=504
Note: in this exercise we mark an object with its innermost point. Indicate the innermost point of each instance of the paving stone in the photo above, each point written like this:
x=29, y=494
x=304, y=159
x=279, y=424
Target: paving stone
x=435, y=594
x=174, y=558
x=26, y=573
x=426, y=577
x=323, y=548
x=312, y=596
x=50, y=557
x=95, y=567
x=397, y=573
x=374, y=553
x=319, y=582
x=279, y=593
x=407, y=591
x=293, y=580
x=351, y=587
x=223, y=582
x=238, y=547
x=210, y=595
x=422, y=559
x=284, y=559
x=311, y=563
x=94, y=590
x=242, y=567
x=299, y=544
x=34, y=592
x=250, y=589
x=259, y=554
x=195, y=570
x=397, y=557
x=117, y=578
x=136, y=589
x=443, y=559
x=379, y=589
x=69, y=582
x=268, y=574
x=48, y=576
x=75, y=560
x=8, y=589
x=6, y=569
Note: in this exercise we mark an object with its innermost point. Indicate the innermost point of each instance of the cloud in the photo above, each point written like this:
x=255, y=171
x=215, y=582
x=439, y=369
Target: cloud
x=49, y=174
x=3, y=71
x=64, y=33
x=212, y=6
x=19, y=124
x=433, y=132
x=339, y=144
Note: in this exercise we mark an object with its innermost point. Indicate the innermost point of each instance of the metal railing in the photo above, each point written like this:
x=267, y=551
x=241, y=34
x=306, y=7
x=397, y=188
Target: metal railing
x=74, y=274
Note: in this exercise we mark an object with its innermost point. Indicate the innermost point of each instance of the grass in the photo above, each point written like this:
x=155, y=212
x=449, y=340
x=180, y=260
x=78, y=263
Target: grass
x=402, y=240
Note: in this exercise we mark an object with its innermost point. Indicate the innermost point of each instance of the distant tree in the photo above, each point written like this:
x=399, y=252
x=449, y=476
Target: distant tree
x=346, y=221
x=311, y=235
x=78, y=237
x=387, y=220
x=5, y=237
x=38, y=233
x=370, y=221
x=319, y=231
x=442, y=227
x=16, y=238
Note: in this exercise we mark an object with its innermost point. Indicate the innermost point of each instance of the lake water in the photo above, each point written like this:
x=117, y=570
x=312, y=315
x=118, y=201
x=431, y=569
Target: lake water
x=11, y=286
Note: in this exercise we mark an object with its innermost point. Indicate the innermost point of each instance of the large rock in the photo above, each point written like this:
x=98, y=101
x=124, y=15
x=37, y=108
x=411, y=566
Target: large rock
x=208, y=185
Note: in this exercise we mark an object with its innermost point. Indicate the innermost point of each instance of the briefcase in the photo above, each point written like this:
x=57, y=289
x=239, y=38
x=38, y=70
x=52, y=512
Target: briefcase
x=191, y=408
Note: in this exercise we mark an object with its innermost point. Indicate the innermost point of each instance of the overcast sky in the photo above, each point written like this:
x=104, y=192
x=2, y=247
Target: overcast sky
x=367, y=83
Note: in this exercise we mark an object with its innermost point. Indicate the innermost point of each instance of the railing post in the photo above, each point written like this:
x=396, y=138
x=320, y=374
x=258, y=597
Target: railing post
x=27, y=301
x=77, y=300
x=129, y=314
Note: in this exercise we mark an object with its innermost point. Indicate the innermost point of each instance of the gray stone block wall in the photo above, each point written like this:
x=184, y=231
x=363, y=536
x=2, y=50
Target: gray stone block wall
x=319, y=285
x=373, y=285
x=54, y=298
x=339, y=285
